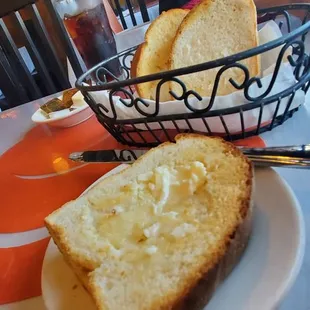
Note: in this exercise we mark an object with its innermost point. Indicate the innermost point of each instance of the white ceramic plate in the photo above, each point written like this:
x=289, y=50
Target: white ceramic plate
x=65, y=118
x=265, y=273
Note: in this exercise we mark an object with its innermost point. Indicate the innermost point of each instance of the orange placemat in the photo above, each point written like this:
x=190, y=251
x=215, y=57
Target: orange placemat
x=20, y=271
x=43, y=150
x=37, y=177
x=251, y=142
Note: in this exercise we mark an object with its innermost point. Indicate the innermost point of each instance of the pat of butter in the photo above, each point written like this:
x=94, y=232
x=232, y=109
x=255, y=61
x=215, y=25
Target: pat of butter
x=145, y=176
x=171, y=214
x=184, y=179
x=152, y=231
x=183, y=230
x=118, y=209
x=115, y=252
x=78, y=96
x=78, y=100
x=162, y=179
x=198, y=169
x=151, y=250
x=151, y=186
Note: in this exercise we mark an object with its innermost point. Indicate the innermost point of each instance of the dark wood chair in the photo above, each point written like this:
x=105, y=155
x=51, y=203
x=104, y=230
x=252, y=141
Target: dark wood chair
x=132, y=6
x=17, y=83
x=12, y=91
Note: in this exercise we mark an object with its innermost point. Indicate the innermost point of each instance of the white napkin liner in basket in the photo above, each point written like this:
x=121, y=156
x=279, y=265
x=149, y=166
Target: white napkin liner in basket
x=285, y=79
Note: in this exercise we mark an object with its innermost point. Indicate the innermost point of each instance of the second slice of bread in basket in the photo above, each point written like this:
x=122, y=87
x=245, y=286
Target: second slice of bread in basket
x=212, y=30
x=153, y=54
x=163, y=233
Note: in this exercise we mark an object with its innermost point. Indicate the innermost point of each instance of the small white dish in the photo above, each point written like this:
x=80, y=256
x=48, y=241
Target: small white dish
x=264, y=275
x=65, y=118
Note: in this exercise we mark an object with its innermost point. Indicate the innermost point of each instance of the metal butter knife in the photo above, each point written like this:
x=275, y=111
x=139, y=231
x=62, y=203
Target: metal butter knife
x=284, y=156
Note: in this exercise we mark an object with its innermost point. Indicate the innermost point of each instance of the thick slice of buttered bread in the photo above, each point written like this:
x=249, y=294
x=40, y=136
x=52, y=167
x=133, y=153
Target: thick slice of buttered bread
x=163, y=233
x=212, y=30
x=155, y=51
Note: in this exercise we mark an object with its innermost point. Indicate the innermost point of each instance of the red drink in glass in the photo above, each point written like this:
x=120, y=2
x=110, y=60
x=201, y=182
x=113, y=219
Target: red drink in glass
x=89, y=28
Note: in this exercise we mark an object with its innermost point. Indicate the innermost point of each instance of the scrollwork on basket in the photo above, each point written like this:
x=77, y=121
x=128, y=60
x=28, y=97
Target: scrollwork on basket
x=298, y=49
x=187, y=93
x=301, y=64
x=131, y=101
x=100, y=109
x=184, y=96
x=125, y=58
x=128, y=100
x=235, y=84
x=125, y=67
x=112, y=97
x=102, y=73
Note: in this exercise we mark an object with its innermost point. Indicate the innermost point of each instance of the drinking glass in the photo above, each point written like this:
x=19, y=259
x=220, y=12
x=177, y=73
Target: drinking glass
x=88, y=25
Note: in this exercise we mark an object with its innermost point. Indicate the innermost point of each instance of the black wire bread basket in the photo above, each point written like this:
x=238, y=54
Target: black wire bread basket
x=147, y=124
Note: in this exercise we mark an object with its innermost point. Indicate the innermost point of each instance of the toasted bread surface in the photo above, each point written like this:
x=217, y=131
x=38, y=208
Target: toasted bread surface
x=212, y=30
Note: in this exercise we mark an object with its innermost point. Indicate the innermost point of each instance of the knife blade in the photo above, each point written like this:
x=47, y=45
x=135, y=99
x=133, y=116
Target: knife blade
x=286, y=156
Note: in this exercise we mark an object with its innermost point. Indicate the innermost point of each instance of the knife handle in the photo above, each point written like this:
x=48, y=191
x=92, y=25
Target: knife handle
x=107, y=156
x=296, y=151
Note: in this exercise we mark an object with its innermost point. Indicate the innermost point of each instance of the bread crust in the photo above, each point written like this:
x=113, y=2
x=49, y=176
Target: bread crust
x=134, y=62
x=204, y=282
x=202, y=291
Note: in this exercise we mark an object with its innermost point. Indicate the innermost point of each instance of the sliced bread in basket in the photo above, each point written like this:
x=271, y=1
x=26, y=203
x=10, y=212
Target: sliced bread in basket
x=155, y=51
x=163, y=233
x=212, y=30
